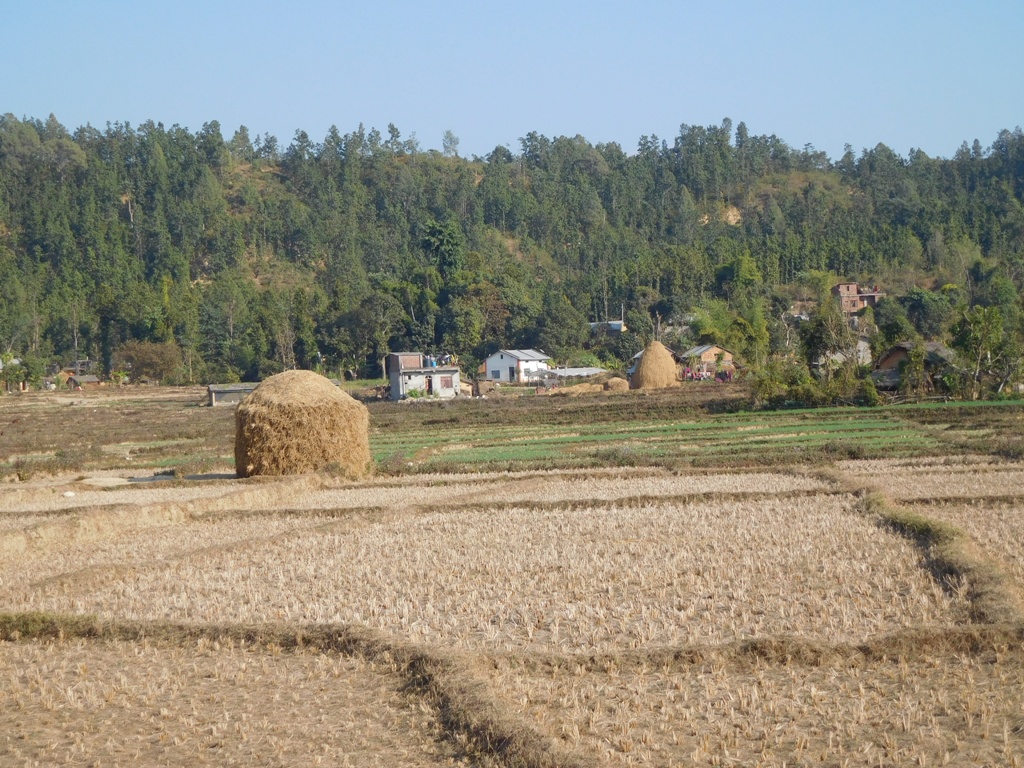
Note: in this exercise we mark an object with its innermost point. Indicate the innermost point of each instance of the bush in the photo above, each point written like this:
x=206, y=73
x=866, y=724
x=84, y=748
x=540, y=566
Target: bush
x=869, y=393
x=149, y=360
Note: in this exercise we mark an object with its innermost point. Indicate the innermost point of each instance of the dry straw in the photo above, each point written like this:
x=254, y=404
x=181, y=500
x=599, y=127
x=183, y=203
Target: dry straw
x=656, y=369
x=616, y=385
x=298, y=422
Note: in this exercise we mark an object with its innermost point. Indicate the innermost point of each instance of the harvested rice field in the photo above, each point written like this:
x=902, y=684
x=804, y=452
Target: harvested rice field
x=559, y=487
x=998, y=528
x=84, y=702
x=608, y=582
x=934, y=710
x=582, y=580
x=929, y=480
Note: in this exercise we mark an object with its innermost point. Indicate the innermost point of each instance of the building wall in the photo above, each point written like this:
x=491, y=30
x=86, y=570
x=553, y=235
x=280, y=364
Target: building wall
x=894, y=359
x=226, y=398
x=711, y=356
x=409, y=381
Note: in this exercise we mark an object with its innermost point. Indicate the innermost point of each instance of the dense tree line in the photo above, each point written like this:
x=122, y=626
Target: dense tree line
x=250, y=257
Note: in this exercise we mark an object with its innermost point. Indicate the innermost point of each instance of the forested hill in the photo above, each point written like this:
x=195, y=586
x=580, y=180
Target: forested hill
x=252, y=257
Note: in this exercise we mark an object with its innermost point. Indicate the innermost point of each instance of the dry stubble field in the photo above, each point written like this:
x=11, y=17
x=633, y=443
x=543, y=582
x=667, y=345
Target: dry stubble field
x=861, y=612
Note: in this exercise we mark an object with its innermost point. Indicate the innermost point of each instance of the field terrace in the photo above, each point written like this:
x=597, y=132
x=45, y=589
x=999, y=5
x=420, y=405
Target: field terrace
x=833, y=611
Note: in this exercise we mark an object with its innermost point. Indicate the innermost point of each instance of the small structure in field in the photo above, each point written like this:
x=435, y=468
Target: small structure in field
x=656, y=369
x=229, y=394
x=83, y=381
x=412, y=374
x=298, y=422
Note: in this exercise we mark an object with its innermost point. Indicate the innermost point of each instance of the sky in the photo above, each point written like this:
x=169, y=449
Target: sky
x=924, y=74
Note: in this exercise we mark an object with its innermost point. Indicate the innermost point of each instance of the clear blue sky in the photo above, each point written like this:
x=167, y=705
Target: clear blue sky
x=919, y=73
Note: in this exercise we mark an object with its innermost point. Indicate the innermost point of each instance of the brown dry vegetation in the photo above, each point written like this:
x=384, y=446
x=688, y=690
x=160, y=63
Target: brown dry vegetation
x=297, y=422
x=608, y=616
x=997, y=527
x=80, y=702
x=940, y=709
x=925, y=480
x=581, y=580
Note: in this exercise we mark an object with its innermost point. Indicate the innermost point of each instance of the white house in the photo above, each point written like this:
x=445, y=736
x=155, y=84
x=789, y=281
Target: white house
x=515, y=366
x=412, y=374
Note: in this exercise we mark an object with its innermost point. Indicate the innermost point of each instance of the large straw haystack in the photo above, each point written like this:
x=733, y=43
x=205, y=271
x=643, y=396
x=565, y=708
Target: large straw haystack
x=297, y=422
x=656, y=369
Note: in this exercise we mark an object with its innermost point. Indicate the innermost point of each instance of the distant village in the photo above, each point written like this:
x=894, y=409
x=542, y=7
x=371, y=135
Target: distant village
x=418, y=375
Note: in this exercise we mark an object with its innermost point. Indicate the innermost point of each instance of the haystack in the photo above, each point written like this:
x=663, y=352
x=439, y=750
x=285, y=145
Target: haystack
x=656, y=369
x=616, y=385
x=298, y=422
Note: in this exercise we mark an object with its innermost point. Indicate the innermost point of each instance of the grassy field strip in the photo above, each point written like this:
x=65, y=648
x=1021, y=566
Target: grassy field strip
x=591, y=431
x=525, y=443
x=119, y=703
x=566, y=449
x=563, y=443
x=710, y=436
x=918, y=442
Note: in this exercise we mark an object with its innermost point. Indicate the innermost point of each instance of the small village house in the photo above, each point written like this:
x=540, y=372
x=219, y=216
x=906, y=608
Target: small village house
x=516, y=366
x=853, y=298
x=83, y=381
x=938, y=361
x=413, y=374
x=705, y=361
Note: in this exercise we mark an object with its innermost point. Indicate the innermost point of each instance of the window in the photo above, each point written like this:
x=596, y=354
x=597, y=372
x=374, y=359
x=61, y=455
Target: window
x=495, y=374
x=446, y=382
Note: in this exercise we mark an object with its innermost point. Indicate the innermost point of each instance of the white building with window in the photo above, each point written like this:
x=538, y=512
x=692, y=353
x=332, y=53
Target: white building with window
x=412, y=374
x=516, y=366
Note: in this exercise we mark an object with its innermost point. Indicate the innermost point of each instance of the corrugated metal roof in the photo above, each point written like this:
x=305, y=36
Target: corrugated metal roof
x=525, y=354
x=700, y=350
x=574, y=372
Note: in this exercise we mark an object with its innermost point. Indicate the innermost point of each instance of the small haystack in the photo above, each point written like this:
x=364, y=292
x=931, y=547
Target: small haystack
x=298, y=422
x=616, y=385
x=656, y=369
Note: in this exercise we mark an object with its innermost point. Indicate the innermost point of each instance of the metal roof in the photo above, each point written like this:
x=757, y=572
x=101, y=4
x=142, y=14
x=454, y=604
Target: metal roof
x=525, y=354
x=243, y=386
x=700, y=350
x=574, y=372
